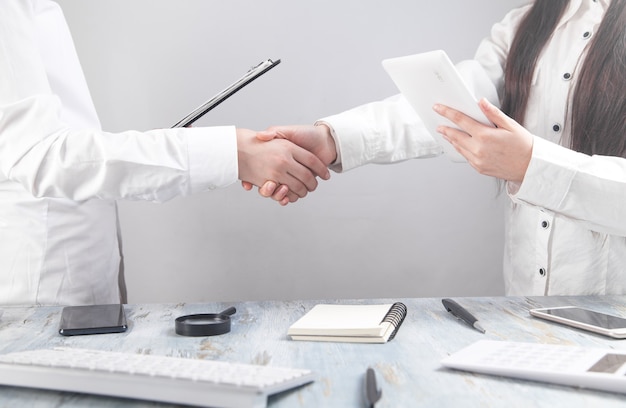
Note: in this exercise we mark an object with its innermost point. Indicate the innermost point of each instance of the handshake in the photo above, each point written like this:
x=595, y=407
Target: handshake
x=284, y=161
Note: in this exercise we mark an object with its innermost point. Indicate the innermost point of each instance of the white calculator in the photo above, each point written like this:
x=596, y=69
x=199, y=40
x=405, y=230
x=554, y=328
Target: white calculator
x=594, y=368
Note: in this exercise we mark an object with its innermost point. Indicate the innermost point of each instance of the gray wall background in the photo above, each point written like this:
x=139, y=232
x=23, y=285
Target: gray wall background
x=419, y=228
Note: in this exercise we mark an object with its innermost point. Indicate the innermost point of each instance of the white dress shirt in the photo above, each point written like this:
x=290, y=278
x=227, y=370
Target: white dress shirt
x=566, y=223
x=60, y=174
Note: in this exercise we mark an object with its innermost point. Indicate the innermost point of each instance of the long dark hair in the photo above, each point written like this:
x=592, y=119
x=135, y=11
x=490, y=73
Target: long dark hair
x=598, y=108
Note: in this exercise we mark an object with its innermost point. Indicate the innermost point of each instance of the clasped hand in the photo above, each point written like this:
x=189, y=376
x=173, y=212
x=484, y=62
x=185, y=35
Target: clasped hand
x=503, y=151
x=315, y=149
x=278, y=164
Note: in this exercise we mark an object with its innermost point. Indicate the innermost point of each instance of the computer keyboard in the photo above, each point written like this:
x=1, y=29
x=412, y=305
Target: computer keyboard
x=178, y=380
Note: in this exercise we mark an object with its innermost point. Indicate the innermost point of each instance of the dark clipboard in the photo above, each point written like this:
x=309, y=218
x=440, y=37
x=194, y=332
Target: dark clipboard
x=248, y=77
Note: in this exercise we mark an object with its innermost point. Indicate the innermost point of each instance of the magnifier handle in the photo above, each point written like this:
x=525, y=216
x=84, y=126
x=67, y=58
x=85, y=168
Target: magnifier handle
x=230, y=311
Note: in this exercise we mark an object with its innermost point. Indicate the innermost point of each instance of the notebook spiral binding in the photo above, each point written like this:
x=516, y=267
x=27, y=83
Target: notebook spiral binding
x=395, y=316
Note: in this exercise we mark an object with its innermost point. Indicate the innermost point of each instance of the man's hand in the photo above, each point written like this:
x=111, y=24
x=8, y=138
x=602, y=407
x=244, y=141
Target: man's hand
x=278, y=161
x=315, y=139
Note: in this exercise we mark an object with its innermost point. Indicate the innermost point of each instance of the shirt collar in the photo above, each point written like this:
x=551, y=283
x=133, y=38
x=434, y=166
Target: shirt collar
x=574, y=6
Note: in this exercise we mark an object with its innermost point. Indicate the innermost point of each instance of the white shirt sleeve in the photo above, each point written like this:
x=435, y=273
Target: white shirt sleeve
x=381, y=132
x=559, y=180
x=52, y=158
x=493, y=51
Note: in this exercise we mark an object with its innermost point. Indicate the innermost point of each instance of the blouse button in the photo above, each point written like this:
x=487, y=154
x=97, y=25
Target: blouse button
x=556, y=127
x=567, y=76
x=587, y=35
x=545, y=224
x=542, y=271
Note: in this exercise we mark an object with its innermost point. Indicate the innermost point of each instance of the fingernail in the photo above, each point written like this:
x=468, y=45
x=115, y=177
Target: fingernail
x=268, y=188
x=436, y=107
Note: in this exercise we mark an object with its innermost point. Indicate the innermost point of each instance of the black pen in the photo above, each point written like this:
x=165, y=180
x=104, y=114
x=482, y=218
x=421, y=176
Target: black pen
x=372, y=392
x=460, y=312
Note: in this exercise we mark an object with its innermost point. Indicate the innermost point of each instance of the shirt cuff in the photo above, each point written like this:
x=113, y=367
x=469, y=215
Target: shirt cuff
x=336, y=165
x=212, y=157
x=549, y=176
x=355, y=144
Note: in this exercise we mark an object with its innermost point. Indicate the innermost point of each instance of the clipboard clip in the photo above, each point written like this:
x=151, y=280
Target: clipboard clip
x=252, y=74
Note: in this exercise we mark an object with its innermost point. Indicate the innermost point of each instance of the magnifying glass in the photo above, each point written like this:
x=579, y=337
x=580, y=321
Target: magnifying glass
x=204, y=324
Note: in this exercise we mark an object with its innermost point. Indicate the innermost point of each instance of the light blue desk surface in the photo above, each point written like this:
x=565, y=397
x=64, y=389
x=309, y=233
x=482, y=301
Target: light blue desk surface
x=408, y=367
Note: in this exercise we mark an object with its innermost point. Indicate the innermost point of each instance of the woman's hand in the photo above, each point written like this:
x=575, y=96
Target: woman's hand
x=278, y=161
x=503, y=151
x=316, y=139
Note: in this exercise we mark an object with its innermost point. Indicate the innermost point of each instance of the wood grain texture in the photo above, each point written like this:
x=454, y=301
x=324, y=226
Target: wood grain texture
x=408, y=367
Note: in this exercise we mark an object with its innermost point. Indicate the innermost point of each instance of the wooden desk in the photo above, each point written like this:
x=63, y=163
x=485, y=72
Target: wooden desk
x=408, y=367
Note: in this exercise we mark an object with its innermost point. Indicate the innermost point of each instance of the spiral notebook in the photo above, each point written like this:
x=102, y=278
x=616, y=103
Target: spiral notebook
x=350, y=323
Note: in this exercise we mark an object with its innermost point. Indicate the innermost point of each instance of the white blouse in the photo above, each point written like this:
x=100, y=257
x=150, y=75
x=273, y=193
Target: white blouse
x=60, y=174
x=566, y=223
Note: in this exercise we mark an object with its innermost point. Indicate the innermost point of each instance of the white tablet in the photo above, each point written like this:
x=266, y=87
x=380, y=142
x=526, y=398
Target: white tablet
x=430, y=78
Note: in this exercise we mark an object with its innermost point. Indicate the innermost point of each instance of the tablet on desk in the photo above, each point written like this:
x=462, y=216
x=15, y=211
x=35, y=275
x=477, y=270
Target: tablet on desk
x=430, y=78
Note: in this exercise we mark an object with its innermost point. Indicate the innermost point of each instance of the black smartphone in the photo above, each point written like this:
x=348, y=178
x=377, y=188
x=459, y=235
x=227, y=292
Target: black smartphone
x=601, y=323
x=93, y=319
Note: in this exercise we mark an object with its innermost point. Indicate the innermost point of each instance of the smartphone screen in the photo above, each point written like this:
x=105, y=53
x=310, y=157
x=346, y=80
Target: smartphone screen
x=92, y=319
x=608, y=325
